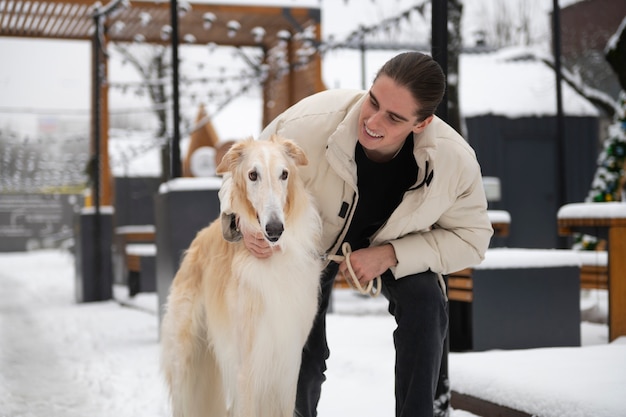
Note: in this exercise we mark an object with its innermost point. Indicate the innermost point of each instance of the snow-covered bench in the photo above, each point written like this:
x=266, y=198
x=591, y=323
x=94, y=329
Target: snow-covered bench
x=610, y=219
x=594, y=270
x=500, y=221
x=141, y=264
x=516, y=298
x=593, y=275
x=134, y=257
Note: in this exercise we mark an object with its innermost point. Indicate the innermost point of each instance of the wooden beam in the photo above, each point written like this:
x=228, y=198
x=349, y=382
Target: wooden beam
x=617, y=282
x=483, y=407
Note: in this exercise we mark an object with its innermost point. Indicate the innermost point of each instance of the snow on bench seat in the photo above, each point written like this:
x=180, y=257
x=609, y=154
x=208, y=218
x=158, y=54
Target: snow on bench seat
x=608, y=210
x=518, y=258
x=547, y=382
x=141, y=249
x=141, y=265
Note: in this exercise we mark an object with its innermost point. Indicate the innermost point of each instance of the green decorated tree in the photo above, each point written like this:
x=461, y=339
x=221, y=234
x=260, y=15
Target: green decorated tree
x=608, y=183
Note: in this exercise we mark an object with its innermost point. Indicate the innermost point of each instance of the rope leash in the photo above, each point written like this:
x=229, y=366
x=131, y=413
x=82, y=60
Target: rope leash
x=353, y=281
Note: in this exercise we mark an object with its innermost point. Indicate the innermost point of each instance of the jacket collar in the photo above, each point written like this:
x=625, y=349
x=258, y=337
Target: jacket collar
x=348, y=128
x=425, y=150
x=339, y=150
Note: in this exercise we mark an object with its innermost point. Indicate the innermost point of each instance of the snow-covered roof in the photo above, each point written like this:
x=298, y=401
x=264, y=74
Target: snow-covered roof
x=514, y=83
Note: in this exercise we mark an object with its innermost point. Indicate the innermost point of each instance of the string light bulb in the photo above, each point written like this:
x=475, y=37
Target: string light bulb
x=208, y=19
x=166, y=32
x=258, y=33
x=233, y=27
x=145, y=18
x=118, y=27
x=183, y=8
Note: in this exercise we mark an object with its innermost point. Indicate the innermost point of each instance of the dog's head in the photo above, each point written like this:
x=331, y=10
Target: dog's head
x=263, y=181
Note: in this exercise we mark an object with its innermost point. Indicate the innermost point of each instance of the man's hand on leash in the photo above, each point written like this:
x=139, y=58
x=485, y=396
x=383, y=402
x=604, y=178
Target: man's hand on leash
x=258, y=246
x=369, y=263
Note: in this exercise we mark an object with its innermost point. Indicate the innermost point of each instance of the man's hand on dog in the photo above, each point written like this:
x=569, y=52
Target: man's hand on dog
x=258, y=245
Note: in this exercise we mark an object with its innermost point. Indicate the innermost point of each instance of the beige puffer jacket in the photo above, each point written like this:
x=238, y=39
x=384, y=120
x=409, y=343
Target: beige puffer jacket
x=441, y=223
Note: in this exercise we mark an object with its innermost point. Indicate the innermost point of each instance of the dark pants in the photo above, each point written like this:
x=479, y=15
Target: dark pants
x=420, y=310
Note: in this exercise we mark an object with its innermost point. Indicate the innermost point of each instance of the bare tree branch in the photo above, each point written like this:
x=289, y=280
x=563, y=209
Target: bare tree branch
x=595, y=96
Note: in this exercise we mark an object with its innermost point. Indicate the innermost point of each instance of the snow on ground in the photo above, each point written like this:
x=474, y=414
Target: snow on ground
x=59, y=358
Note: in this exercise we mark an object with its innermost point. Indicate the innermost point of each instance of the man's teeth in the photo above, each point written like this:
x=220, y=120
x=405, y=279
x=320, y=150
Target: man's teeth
x=369, y=132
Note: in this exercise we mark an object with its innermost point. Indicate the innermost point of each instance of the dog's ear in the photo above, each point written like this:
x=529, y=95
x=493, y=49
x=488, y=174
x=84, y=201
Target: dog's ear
x=292, y=149
x=230, y=158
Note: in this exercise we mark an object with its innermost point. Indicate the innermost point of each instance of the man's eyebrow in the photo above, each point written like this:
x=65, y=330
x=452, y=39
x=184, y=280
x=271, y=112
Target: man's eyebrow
x=396, y=115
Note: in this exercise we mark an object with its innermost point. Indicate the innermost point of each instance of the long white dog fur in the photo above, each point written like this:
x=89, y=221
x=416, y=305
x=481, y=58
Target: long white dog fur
x=234, y=327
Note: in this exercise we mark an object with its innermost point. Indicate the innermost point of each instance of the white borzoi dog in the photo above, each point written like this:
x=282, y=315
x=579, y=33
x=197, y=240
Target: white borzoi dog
x=235, y=325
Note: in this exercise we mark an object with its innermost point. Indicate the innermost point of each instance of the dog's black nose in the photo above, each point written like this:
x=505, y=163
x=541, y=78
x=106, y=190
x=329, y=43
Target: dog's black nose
x=273, y=230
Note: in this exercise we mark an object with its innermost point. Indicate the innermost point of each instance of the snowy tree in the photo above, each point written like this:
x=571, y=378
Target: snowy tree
x=608, y=183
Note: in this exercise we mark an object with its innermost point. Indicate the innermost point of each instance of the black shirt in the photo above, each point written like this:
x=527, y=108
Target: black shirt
x=381, y=188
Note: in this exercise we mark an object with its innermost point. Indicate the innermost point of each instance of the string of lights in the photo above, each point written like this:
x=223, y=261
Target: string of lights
x=26, y=168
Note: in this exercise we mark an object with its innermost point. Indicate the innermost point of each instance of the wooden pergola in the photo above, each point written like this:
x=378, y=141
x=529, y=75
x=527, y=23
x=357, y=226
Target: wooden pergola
x=150, y=22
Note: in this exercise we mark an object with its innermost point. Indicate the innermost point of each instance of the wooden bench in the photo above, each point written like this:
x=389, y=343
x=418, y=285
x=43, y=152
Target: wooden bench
x=460, y=283
x=141, y=266
x=482, y=407
x=460, y=286
x=500, y=221
x=610, y=219
x=136, y=234
x=140, y=239
x=593, y=275
x=516, y=298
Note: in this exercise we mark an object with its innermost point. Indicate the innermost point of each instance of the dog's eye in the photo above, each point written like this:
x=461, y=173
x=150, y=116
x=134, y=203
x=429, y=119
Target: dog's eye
x=284, y=175
x=253, y=176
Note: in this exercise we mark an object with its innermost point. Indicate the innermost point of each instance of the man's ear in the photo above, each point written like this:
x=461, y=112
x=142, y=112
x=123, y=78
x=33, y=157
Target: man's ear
x=422, y=125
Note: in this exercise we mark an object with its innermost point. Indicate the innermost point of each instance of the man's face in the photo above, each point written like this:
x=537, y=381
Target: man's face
x=387, y=117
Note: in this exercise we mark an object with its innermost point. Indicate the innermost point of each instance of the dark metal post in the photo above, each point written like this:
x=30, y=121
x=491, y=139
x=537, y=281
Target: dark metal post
x=175, y=165
x=560, y=121
x=439, y=51
x=93, y=267
x=439, y=48
x=97, y=126
x=363, y=72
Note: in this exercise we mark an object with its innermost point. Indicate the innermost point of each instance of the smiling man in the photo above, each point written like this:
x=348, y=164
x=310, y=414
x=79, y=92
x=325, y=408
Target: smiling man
x=405, y=190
